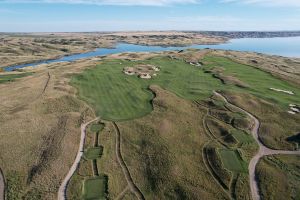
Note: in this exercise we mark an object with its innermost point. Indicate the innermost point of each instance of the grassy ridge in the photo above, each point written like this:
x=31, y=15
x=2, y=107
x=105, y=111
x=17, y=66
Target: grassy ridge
x=259, y=81
x=12, y=77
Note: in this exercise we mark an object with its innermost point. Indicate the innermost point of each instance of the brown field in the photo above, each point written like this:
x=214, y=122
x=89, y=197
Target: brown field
x=40, y=119
x=27, y=48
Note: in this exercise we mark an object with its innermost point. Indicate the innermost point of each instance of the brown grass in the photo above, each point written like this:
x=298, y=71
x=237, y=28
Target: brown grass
x=160, y=168
x=39, y=133
x=276, y=124
x=279, y=177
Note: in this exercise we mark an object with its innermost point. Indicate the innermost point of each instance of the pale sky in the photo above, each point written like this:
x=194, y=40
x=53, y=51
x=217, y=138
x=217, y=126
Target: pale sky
x=130, y=15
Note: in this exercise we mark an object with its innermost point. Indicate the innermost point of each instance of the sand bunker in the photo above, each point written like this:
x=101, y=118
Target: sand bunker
x=284, y=91
x=294, y=109
x=142, y=71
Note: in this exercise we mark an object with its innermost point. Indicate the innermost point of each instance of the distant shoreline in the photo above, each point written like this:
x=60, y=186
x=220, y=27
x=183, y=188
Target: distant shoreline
x=228, y=34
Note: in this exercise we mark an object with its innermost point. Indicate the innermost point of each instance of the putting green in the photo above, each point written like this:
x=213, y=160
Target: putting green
x=97, y=127
x=232, y=161
x=95, y=188
x=93, y=153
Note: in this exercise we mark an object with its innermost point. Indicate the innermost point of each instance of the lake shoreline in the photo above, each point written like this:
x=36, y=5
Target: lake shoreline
x=257, y=45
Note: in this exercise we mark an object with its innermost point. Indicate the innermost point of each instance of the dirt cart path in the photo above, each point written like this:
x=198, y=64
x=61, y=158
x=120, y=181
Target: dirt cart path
x=63, y=186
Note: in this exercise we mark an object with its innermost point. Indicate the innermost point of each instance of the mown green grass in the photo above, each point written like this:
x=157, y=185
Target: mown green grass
x=116, y=96
x=259, y=81
x=96, y=127
x=93, y=153
x=95, y=188
x=242, y=137
x=12, y=77
x=232, y=161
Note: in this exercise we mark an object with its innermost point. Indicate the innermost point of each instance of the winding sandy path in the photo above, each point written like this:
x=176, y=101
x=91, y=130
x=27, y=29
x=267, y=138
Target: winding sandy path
x=134, y=189
x=64, y=184
x=263, y=151
x=2, y=186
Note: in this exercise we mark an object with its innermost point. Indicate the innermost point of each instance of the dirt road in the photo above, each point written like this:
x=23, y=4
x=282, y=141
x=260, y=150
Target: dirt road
x=63, y=186
x=2, y=186
x=263, y=151
x=134, y=189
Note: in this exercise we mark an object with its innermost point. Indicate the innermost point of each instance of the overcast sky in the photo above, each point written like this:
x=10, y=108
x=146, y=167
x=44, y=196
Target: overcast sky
x=130, y=15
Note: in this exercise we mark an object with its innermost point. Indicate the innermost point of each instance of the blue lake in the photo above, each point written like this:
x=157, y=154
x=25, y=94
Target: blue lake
x=288, y=46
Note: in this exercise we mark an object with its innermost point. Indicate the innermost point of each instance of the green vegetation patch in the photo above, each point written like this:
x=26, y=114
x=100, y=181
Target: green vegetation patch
x=11, y=77
x=116, y=96
x=95, y=188
x=97, y=127
x=93, y=153
x=241, y=136
x=259, y=82
x=232, y=160
x=221, y=173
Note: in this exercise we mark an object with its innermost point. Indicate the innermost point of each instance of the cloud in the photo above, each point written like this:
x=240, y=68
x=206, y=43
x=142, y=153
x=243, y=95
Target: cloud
x=283, y=3
x=110, y=2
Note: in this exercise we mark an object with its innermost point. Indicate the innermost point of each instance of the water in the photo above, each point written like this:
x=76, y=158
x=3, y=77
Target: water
x=289, y=47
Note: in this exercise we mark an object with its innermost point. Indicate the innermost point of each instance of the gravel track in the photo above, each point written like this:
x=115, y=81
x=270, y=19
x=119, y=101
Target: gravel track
x=63, y=187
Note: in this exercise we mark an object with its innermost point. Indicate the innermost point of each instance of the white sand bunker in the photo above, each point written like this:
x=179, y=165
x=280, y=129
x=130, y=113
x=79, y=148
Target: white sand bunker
x=284, y=91
x=142, y=71
x=294, y=109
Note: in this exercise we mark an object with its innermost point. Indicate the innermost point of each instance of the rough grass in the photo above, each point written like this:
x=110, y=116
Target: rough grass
x=161, y=169
x=278, y=177
x=276, y=124
x=242, y=137
x=36, y=137
x=221, y=131
x=242, y=187
x=222, y=174
x=259, y=81
x=232, y=160
x=11, y=77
